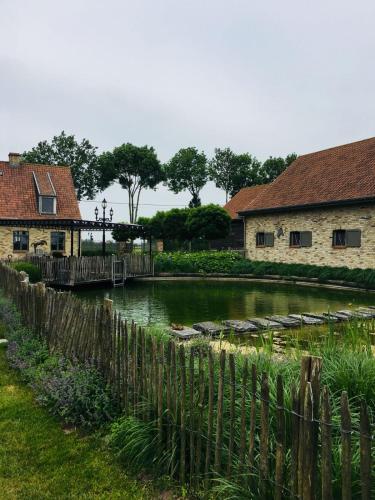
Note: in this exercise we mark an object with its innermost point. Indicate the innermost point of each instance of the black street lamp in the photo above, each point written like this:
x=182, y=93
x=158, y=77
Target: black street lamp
x=103, y=219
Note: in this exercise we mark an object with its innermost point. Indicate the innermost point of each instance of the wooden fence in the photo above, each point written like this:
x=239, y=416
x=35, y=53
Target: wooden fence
x=216, y=418
x=73, y=271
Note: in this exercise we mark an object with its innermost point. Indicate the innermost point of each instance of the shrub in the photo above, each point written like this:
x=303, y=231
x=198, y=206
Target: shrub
x=33, y=271
x=232, y=263
x=74, y=392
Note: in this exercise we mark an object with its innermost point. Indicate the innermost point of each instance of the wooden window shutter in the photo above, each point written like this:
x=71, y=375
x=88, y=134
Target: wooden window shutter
x=353, y=238
x=269, y=239
x=306, y=238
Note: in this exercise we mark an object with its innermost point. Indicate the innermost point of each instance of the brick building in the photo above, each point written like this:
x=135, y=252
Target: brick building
x=321, y=210
x=32, y=197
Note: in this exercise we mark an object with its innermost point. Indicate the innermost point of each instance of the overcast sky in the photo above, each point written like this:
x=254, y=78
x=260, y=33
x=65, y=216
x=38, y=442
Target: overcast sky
x=269, y=77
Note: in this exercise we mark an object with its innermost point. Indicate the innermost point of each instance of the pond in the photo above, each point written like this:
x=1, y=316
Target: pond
x=187, y=302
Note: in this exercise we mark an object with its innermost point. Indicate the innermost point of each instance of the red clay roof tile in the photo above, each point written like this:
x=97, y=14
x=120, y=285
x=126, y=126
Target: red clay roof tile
x=339, y=174
x=18, y=193
x=242, y=199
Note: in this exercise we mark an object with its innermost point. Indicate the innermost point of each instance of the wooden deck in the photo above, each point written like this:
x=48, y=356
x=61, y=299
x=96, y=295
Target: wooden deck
x=76, y=271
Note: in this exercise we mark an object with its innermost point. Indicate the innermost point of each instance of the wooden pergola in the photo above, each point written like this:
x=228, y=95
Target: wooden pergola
x=79, y=225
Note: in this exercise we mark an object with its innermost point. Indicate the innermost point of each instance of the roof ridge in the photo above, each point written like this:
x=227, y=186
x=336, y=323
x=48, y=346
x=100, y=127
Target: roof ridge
x=335, y=147
x=29, y=164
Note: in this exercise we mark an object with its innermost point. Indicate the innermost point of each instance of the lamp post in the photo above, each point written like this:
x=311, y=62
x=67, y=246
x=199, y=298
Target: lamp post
x=103, y=219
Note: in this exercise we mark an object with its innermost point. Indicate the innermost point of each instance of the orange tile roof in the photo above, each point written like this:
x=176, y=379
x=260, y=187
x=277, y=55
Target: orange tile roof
x=18, y=191
x=242, y=199
x=338, y=175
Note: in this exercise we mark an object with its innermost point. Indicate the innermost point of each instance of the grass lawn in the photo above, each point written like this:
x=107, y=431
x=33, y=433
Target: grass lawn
x=38, y=460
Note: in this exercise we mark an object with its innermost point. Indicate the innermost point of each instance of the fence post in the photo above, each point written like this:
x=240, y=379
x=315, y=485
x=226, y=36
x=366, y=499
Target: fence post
x=346, y=446
x=365, y=451
x=310, y=373
x=220, y=409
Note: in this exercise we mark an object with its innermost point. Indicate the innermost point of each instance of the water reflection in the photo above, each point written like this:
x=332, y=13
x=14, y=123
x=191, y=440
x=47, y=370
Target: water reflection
x=163, y=302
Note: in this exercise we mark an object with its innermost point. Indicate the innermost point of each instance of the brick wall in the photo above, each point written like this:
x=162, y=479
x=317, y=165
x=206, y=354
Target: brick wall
x=6, y=241
x=321, y=223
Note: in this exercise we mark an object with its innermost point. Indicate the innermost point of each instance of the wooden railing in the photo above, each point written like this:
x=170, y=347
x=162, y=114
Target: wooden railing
x=78, y=270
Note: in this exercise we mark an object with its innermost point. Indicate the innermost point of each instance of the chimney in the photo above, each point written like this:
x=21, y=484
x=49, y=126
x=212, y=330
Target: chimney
x=14, y=159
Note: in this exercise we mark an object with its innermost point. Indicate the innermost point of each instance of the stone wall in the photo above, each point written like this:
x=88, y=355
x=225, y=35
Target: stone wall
x=6, y=241
x=321, y=222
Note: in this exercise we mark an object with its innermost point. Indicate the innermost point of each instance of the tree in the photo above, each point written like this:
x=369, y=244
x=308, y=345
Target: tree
x=273, y=167
x=187, y=170
x=175, y=224
x=246, y=173
x=157, y=225
x=65, y=150
x=222, y=169
x=209, y=222
x=126, y=233
x=135, y=168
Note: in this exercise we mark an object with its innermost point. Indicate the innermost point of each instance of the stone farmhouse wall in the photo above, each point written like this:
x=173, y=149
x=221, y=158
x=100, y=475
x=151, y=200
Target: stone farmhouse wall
x=6, y=241
x=321, y=222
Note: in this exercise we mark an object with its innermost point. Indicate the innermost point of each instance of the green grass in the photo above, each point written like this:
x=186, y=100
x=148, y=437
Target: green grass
x=38, y=460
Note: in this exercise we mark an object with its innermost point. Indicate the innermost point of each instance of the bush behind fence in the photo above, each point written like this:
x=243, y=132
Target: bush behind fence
x=213, y=414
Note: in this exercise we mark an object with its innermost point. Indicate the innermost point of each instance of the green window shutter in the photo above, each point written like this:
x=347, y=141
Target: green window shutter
x=306, y=238
x=269, y=239
x=353, y=238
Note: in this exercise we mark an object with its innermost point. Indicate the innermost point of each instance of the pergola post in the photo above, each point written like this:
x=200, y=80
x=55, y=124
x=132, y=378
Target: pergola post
x=71, y=241
x=79, y=243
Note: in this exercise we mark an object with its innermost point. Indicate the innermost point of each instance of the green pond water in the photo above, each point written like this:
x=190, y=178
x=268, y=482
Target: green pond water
x=187, y=302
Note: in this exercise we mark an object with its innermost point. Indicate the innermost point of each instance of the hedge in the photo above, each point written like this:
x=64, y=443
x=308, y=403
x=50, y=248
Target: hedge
x=232, y=263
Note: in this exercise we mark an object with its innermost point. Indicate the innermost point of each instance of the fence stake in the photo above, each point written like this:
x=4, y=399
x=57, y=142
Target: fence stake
x=232, y=411
x=220, y=409
x=280, y=439
x=264, y=435
x=326, y=446
x=210, y=416
x=182, y=414
x=365, y=451
x=346, y=447
x=191, y=416
x=308, y=442
x=252, y=417
x=242, y=447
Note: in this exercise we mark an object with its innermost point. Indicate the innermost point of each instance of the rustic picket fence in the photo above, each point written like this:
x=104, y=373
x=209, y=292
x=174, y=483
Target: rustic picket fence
x=214, y=415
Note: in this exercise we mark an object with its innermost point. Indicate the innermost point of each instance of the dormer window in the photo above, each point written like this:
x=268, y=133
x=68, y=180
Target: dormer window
x=47, y=204
x=46, y=193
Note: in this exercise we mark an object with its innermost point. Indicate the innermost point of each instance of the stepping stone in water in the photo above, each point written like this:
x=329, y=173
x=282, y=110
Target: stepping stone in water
x=240, y=326
x=285, y=320
x=307, y=320
x=370, y=312
x=340, y=316
x=185, y=334
x=210, y=328
x=325, y=317
x=354, y=314
x=266, y=324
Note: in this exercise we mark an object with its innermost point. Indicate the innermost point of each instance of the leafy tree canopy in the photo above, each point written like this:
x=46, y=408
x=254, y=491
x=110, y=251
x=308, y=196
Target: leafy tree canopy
x=135, y=168
x=175, y=224
x=127, y=233
x=246, y=172
x=187, y=171
x=66, y=150
x=222, y=169
x=273, y=167
x=209, y=222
